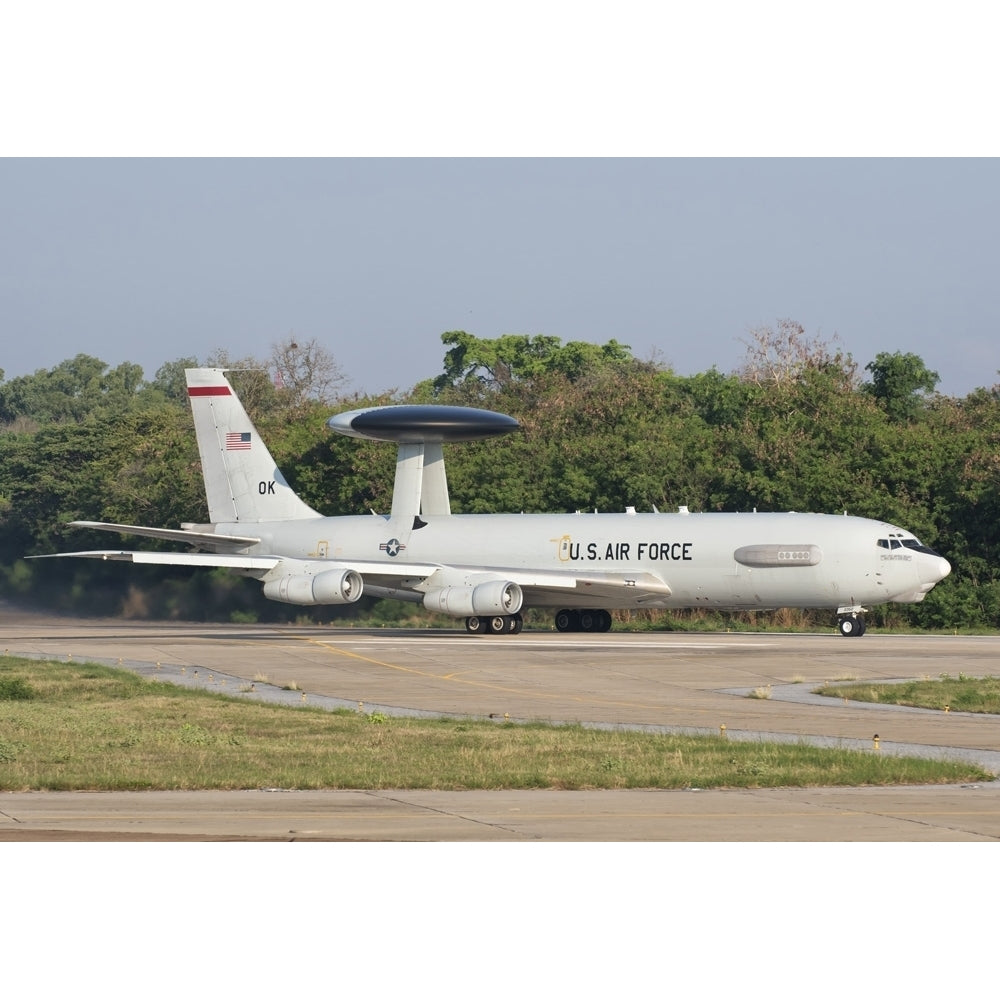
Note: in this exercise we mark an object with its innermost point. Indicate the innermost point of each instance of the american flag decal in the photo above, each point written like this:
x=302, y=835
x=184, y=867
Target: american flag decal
x=238, y=441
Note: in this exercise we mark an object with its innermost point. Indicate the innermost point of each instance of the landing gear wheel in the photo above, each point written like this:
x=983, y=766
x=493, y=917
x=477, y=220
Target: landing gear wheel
x=851, y=625
x=588, y=621
x=567, y=621
x=603, y=621
x=495, y=625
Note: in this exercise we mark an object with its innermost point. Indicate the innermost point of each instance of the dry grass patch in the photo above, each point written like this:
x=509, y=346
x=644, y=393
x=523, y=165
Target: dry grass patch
x=93, y=727
x=947, y=694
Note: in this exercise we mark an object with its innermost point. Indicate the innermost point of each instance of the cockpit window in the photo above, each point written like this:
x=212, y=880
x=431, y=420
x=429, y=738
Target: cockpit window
x=918, y=546
x=898, y=542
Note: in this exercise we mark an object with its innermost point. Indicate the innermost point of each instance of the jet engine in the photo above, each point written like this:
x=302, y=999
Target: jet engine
x=497, y=597
x=332, y=586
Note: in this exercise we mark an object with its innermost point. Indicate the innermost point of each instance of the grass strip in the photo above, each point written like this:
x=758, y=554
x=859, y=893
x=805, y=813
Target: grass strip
x=947, y=694
x=85, y=726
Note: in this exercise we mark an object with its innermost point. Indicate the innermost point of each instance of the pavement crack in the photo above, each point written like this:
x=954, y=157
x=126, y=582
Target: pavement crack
x=489, y=825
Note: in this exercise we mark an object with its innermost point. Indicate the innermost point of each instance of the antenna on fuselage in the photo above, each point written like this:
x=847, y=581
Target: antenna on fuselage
x=421, y=431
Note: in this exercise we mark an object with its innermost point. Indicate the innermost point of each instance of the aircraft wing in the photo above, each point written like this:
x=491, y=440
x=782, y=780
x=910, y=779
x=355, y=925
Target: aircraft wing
x=235, y=560
x=409, y=581
x=228, y=560
x=642, y=588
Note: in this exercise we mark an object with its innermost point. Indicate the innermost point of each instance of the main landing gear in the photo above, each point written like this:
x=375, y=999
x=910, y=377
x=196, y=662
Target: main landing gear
x=566, y=621
x=851, y=625
x=494, y=624
x=583, y=621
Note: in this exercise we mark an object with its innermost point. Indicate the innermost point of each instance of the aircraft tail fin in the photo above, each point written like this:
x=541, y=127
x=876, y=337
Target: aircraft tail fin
x=242, y=482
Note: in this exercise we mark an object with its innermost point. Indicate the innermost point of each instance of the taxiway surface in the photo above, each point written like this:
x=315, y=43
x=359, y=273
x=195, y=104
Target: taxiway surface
x=689, y=682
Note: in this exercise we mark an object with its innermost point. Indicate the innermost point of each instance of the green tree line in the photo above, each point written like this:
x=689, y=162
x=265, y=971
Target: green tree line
x=795, y=426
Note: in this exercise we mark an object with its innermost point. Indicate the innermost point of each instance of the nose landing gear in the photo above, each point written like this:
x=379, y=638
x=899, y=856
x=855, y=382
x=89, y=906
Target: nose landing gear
x=851, y=624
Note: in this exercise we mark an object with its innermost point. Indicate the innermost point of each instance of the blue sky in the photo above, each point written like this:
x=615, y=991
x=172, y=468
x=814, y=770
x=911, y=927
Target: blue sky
x=150, y=260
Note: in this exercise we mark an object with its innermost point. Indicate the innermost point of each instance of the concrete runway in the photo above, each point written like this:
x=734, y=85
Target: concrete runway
x=661, y=681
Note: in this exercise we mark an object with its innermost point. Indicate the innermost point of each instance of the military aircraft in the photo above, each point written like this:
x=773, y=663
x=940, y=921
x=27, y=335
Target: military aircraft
x=488, y=568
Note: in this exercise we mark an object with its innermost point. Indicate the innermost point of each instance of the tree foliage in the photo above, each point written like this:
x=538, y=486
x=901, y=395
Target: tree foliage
x=497, y=363
x=791, y=428
x=786, y=353
x=69, y=391
x=898, y=382
x=307, y=371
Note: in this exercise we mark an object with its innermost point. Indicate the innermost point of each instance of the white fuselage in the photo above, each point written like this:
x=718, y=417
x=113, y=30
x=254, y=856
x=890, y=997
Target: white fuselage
x=761, y=560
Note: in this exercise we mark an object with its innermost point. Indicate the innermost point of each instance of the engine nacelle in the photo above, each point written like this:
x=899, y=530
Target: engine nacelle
x=332, y=586
x=497, y=597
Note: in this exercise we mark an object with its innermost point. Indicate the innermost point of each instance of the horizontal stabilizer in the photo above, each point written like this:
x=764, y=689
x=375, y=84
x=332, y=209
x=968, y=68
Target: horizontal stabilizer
x=171, y=534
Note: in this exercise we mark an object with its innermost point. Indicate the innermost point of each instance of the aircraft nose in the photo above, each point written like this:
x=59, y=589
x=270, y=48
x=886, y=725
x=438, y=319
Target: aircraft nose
x=934, y=569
